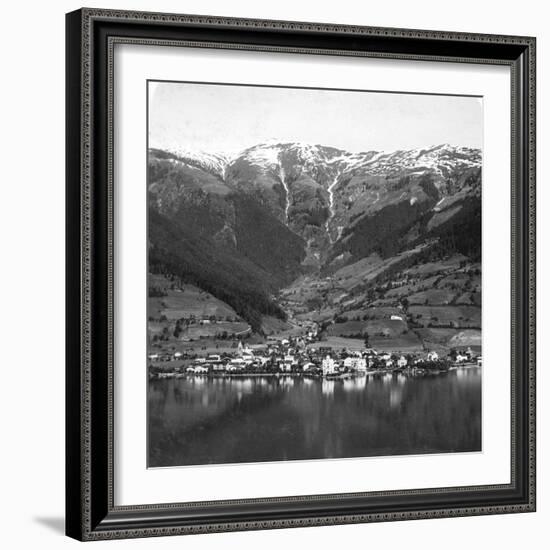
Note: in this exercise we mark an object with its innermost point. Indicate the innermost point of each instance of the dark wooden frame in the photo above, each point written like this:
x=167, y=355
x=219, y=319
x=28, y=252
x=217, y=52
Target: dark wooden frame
x=90, y=510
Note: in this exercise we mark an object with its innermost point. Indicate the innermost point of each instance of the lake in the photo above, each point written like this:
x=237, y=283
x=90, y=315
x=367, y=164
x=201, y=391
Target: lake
x=200, y=420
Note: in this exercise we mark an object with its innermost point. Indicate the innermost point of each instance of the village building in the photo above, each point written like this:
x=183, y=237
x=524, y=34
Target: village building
x=291, y=359
x=355, y=363
x=432, y=356
x=328, y=365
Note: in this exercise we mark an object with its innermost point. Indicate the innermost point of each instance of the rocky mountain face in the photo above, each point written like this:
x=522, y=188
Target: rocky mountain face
x=278, y=211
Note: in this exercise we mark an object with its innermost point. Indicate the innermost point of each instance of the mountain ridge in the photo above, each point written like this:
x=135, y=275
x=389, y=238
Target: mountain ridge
x=282, y=210
x=218, y=162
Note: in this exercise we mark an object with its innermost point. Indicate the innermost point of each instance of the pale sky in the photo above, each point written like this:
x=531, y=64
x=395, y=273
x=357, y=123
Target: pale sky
x=227, y=119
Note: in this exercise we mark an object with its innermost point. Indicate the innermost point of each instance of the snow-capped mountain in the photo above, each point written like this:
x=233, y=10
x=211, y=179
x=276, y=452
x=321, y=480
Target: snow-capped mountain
x=215, y=163
x=442, y=160
x=242, y=227
x=328, y=197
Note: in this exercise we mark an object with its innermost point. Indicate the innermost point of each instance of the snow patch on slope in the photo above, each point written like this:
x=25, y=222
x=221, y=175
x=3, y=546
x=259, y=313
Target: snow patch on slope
x=215, y=163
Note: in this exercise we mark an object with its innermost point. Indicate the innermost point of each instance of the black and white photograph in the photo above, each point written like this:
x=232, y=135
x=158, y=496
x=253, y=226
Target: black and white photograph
x=314, y=273
x=286, y=259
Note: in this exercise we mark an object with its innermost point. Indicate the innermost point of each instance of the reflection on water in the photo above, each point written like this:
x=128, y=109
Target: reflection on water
x=199, y=420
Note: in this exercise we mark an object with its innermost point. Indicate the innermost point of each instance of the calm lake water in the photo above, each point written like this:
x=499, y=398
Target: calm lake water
x=201, y=420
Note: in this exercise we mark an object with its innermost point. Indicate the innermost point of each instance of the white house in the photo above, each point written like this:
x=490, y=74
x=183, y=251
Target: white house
x=432, y=356
x=236, y=363
x=285, y=367
x=402, y=362
x=396, y=318
x=328, y=365
x=355, y=363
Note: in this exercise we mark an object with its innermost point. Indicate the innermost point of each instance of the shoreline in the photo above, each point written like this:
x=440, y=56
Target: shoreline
x=342, y=376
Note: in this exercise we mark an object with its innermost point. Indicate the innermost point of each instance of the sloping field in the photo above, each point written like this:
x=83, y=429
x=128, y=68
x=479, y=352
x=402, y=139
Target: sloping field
x=338, y=343
x=434, y=296
x=190, y=301
x=377, y=327
x=370, y=267
x=464, y=316
x=272, y=325
x=372, y=313
x=406, y=343
x=448, y=337
x=214, y=329
x=437, y=267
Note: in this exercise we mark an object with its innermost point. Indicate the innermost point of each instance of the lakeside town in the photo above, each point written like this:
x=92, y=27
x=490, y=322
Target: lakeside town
x=298, y=356
x=426, y=319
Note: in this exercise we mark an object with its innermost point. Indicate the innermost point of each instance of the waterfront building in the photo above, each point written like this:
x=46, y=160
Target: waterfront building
x=355, y=363
x=290, y=359
x=237, y=363
x=328, y=365
x=432, y=356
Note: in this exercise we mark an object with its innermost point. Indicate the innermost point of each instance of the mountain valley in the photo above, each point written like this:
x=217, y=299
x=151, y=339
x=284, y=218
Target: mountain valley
x=377, y=247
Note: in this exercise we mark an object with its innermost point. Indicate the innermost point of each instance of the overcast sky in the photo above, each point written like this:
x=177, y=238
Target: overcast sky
x=228, y=119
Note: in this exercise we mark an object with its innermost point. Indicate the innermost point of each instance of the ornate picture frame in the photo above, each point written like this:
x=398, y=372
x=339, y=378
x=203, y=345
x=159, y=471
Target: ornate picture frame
x=91, y=511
